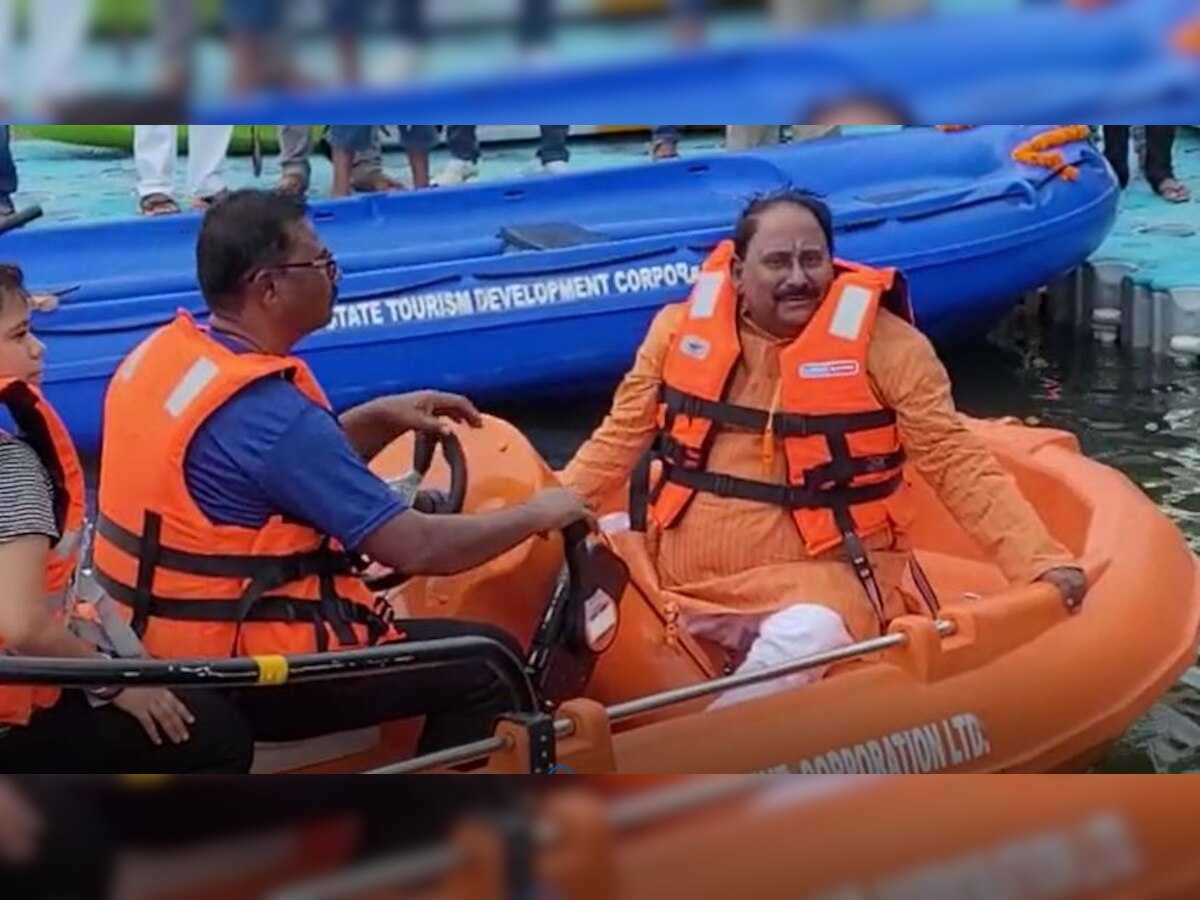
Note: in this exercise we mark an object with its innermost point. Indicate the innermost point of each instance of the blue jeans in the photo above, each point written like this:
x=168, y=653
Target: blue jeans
x=364, y=139
x=463, y=142
x=8, y=172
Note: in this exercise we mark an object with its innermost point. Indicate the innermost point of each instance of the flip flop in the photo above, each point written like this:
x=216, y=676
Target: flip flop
x=292, y=184
x=377, y=183
x=202, y=203
x=158, y=204
x=664, y=150
x=1173, y=191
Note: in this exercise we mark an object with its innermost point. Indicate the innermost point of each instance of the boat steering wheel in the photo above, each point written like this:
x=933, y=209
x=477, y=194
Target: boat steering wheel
x=439, y=503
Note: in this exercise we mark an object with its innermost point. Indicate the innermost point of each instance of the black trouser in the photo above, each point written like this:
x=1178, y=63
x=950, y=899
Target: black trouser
x=1160, y=142
x=76, y=851
x=460, y=702
x=73, y=738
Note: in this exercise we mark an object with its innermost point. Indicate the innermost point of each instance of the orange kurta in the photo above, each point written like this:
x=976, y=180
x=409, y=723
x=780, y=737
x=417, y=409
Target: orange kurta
x=728, y=555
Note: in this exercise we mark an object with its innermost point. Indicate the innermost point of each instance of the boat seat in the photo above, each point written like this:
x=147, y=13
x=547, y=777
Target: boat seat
x=288, y=756
x=580, y=622
x=548, y=236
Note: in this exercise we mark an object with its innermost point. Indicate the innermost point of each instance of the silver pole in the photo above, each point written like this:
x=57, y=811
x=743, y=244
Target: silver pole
x=641, y=705
x=631, y=708
x=431, y=862
x=452, y=756
x=412, y=868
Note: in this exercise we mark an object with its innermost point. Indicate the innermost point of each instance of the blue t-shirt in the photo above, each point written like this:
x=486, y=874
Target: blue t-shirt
x=272, y=451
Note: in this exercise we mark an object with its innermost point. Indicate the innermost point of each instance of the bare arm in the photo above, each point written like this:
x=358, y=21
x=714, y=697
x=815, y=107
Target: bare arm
x=603, y=465
x=418, y=544
x=26, y=623
x=374, y=425
x=981, y=495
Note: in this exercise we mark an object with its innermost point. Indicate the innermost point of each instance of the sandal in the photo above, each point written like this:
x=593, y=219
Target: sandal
x=203, y=203
x=158, y=204
x=377, y=182
x=664, y=150
x=292, y=184
x=1173, y=191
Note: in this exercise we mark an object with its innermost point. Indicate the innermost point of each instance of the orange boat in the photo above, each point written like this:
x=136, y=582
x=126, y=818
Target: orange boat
x=1004, y=680
x=1030, y=837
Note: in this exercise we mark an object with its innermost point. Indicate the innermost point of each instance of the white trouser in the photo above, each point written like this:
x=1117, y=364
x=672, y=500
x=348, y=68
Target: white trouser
x=792, y=633
x=57, y=30
x=155, y=149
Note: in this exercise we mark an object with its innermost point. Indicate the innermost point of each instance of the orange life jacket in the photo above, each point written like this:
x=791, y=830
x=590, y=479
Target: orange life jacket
x=844, y=459
x=43, y=430
x=189, y=587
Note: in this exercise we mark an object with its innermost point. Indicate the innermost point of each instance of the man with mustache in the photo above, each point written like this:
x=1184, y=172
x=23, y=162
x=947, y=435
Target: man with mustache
x=772, y=414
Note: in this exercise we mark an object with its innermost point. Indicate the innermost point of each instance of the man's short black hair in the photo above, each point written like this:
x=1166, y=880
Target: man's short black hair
x=245, y=231
x=747, y=223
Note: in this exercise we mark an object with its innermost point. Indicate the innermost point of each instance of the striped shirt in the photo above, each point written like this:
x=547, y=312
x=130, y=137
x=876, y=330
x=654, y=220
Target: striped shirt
x=26, y=492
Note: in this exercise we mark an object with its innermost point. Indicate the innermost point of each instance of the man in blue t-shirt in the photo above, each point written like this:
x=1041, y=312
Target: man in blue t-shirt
x=270, y=451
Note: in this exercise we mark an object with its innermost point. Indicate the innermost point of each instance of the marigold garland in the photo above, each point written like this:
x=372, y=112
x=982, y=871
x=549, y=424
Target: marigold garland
x=1039, y=150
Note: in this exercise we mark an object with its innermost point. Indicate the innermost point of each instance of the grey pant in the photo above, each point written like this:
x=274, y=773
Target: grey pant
x=295, y=148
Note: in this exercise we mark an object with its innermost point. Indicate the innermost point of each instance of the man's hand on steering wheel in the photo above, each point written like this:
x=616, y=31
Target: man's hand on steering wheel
x=427, y=411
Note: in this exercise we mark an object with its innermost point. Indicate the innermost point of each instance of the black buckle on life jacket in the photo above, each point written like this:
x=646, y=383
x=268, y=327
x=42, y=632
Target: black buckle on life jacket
x=856, y=553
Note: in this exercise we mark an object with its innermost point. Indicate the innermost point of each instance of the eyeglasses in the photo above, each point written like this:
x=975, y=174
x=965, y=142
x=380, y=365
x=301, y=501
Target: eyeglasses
x=327, y=263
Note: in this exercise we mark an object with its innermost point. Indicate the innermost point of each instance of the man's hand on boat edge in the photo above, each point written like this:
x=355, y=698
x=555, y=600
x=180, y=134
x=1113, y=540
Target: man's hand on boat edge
x=1071, y=583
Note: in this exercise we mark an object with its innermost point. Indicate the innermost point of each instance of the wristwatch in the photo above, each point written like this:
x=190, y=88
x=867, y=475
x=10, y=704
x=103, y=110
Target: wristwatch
x=105, y=694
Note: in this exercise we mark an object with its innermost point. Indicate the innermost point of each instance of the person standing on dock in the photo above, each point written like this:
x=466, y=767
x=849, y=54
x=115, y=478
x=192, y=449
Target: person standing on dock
x=235, y=508
x=155, y=148
x=1157, y=163
x=8, y=175
x=462, y=141
x=764, y=428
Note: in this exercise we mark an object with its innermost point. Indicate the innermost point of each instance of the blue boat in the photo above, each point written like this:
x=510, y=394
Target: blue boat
x=1111, y=62
x=547, y=285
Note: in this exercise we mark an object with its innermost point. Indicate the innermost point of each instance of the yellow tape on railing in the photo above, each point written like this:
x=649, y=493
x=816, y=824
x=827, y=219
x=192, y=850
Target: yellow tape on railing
x=272, y=670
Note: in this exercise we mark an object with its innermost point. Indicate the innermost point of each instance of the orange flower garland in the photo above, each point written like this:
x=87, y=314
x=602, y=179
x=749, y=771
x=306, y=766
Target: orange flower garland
x=1039, y=150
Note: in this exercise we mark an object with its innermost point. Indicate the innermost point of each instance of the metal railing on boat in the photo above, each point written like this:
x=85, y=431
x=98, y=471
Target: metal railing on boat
x=477, y=750
x=265, y=671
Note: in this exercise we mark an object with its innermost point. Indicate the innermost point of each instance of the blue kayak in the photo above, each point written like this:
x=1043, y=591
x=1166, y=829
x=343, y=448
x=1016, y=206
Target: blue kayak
x=547, y=285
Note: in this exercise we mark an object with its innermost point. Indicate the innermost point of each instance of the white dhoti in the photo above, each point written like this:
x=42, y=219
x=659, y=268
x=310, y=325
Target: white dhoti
x=795, y=632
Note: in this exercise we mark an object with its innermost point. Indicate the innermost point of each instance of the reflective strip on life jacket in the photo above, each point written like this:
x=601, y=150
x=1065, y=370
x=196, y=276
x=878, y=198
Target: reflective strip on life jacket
x=844, y=458
x=177, y=577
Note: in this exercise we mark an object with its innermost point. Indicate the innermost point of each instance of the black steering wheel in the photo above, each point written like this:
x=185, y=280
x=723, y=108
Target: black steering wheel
x=441, y=503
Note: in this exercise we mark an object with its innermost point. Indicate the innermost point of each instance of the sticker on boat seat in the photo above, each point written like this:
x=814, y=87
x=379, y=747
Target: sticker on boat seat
x=851, y=312
x=705, y=294
x=838, y=368
x=695, y=347
x=600, y=613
